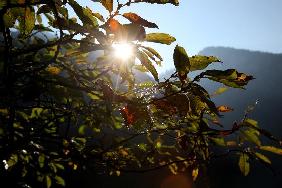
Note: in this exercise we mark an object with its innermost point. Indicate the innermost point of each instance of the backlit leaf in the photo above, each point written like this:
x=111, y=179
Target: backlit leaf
x=162, y=38
x=174, y=2
x=229, y=77
x=26, y=21
x=244, y=164
x=252, y=136
x=271, y=149
x=108, y=4
x=134, y=18
x=181, y=62
x=224, y=108
x=262, y=157
x=84, y=14
x=199, y=62
x=220, y=91
x=60, y=181
x=48, y=181
x=148, y=64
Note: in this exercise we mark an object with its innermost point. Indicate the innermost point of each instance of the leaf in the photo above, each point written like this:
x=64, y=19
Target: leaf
x=142, y=146
x=250, y=122
x=53, y=70
x=148, y=64
x=262, y=158
x=181, y=62
x=114, y=26
x=60, y=181
x=219, y=141
x=220, y=91
x=252, y=136
x=99, y=16
x=84, y=14
x=2, y=4
x=199, y=62
x=174, y=2
x=26, y=21
x=132, y=32
x=127, y=115
x=229, y=77
x=153, y=51
x=59, y=166
x=48, y=181
x=223, y=108
x=162, y=38
x=108, y=4
x=244, y=164
x=271, y=149
x=41, y=160
x=195, y=174
x=44, y=9
x=35, y=113
x=12, y=161
x=134, y=18
x=9, y=18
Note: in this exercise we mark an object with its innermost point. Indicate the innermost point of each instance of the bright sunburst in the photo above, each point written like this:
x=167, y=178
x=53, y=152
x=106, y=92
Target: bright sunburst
x=123, y=51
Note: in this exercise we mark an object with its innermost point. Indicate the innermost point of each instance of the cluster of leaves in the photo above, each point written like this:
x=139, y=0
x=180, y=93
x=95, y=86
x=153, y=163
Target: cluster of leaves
x=62, y=111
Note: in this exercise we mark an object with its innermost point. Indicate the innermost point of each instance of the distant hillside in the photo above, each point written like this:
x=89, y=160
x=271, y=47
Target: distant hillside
x=267, y=88
x=267, y=69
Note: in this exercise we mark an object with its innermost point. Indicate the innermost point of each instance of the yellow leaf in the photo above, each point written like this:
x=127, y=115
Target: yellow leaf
x=224, y=109
x=53, y=70
x=272, y=149
x=195, y=174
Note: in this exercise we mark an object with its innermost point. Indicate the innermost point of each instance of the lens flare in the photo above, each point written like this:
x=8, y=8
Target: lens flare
x=123, y=51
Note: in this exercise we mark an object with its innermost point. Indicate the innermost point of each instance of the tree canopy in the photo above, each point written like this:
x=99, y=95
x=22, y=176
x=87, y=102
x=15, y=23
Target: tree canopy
x=63, y=110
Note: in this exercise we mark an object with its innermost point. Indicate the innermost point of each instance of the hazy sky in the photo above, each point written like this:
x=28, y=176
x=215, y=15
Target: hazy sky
x=247, y=24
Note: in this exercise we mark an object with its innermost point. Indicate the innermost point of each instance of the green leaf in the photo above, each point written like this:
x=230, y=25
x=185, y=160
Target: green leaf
x=59, y=166
x=142, y=147
x=84, y=14
x=271, y=149
x=229, y=77
x=36, y=112
x=181, y=60
x=60, y=181
x=134, y=18
x=199, y=62
x=148, y=64
x=9, y=18
x=26, y=21
x=12, y=160
x=153, y=51
x=220, y=91
x=244, y=164
x=162, y=38
x=48, y=181
x=99, y=16
x=250, y=122
x=41, y=160
x=252, y=136
x=81, y=129
x=262, y=157
x=219, y=141
x=2, y=4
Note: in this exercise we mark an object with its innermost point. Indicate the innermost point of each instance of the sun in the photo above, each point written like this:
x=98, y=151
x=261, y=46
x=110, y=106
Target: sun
x=123, y=51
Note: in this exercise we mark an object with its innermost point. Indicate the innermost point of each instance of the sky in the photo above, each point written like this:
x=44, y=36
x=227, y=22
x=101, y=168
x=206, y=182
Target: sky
x=196, y=24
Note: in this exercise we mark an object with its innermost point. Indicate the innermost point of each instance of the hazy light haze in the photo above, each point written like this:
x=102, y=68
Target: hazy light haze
x=196, y=24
